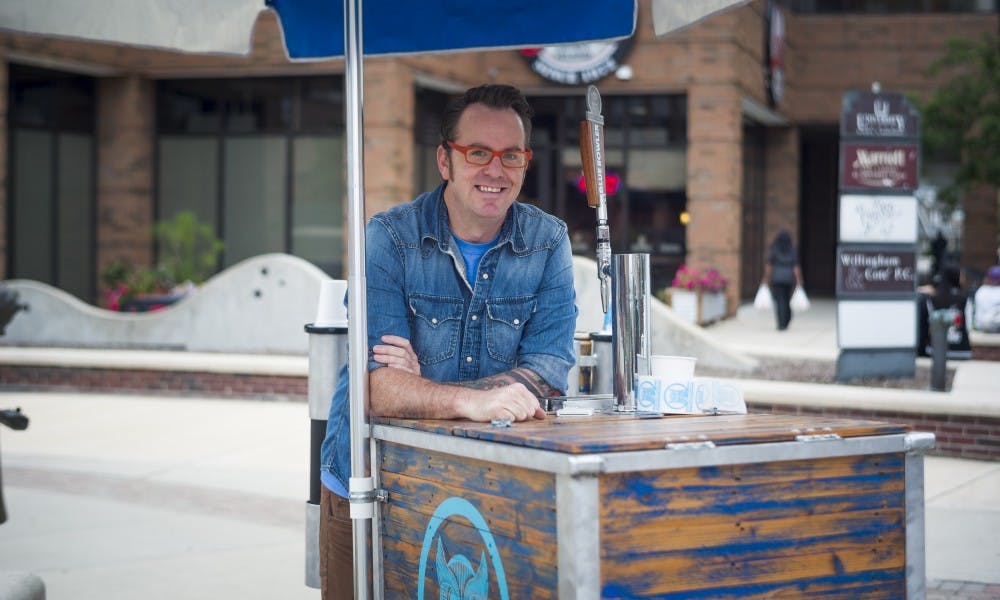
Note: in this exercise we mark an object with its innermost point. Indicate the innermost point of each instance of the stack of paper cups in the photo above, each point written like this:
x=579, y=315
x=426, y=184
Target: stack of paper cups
x=668, y=386
x=330, y=311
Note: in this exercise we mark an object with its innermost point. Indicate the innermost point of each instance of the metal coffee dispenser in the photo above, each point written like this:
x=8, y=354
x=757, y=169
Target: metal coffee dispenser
x=624, y=278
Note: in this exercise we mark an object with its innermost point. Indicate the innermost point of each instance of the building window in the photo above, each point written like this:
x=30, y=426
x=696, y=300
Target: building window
x=262, y=160
x=429, y=106
x=51, y=183
x=645, y=156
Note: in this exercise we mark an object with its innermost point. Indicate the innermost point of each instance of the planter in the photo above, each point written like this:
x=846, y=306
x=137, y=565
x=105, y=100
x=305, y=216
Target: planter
x=700, y=308
x=685, y=304
x=713, y=307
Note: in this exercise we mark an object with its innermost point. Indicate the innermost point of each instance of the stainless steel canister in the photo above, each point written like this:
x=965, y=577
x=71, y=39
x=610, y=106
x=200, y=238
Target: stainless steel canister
x=630, y=299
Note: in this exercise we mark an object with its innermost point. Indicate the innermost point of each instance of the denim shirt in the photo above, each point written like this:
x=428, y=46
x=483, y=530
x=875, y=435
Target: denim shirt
x=520, y=312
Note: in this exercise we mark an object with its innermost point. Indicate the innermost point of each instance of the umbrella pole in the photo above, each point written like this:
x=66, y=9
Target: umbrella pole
x=361, y=484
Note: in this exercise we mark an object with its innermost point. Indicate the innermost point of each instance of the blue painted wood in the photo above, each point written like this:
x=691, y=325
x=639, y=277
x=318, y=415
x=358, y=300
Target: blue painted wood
x=518, y=506
x=814, y=528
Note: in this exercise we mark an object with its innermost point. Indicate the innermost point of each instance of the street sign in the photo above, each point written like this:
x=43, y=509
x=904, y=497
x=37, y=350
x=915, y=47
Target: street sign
x=879, y=163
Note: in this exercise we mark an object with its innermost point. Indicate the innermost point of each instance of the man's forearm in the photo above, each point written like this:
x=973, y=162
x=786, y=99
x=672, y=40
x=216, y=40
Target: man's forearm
x=527, y=377
x=398, y=393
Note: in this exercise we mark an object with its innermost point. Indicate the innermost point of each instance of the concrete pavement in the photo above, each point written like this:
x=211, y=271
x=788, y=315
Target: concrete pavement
x=113, y=495
x=119, y=496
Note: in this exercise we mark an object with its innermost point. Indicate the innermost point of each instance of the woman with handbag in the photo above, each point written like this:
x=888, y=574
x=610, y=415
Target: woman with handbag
x=782, y=274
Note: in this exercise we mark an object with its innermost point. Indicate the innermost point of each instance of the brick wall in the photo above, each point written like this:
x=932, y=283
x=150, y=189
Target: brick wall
x=145, y=381
x=389, y=146
x=125, y=109
x=981, y=239
x=956, y=435
x=714, y=182
x=829, y=54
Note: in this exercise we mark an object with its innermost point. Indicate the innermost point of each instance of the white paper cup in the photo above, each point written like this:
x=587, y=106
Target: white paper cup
x=330, y=309
x=672, y=368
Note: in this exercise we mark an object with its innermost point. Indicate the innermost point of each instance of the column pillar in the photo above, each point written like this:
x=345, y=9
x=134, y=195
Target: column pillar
x=125, y=132
x=714, y=182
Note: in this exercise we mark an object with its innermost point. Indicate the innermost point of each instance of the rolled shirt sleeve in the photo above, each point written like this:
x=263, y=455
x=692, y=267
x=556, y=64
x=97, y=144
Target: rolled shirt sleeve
x=547, y=345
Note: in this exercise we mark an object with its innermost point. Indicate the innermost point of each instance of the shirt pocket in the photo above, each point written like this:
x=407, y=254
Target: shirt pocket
x=505, y=326
x=436, y=325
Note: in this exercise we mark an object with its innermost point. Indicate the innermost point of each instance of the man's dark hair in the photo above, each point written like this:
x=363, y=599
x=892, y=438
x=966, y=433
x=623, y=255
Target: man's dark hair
x=493, y=95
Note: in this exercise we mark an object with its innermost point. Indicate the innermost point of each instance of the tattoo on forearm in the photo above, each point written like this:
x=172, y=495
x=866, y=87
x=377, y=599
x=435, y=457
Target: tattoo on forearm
x=527, y=377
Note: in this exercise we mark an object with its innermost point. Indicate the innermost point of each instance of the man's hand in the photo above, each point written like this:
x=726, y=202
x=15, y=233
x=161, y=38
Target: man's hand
x=512, y=401
x=397, y=353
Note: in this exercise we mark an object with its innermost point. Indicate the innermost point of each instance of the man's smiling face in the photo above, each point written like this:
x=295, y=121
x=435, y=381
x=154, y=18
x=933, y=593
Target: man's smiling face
x=478, y=196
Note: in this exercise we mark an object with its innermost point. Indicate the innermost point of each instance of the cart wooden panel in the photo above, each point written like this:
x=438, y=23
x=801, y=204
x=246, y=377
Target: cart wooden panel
x=822, y=527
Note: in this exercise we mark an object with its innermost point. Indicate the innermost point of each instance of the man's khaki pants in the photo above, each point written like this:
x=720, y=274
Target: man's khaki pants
x=336, y=547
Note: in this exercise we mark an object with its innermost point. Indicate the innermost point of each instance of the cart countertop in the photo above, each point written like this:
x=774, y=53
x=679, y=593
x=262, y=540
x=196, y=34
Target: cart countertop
x=621, y=432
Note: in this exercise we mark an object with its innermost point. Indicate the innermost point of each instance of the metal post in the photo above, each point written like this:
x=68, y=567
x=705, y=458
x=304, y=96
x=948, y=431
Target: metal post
x=357, y=288
x=940, y=321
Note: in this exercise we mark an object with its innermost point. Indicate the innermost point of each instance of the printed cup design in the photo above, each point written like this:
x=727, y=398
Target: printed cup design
x=647, y=396
x=714, y=396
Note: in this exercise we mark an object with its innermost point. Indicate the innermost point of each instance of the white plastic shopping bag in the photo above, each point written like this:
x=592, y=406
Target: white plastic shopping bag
x=800, y=301
x=763, y=299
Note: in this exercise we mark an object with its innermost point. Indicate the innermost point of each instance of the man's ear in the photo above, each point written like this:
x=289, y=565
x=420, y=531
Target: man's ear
x=443, y=163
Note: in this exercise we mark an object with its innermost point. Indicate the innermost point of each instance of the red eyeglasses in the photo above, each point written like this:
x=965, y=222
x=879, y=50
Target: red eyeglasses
x=477, y=155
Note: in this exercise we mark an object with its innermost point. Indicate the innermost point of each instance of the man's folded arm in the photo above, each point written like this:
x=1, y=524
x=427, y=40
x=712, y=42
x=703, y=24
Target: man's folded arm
x=509, y=395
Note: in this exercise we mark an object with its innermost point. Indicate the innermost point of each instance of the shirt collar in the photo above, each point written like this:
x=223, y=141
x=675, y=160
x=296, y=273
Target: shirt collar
x=437, y=229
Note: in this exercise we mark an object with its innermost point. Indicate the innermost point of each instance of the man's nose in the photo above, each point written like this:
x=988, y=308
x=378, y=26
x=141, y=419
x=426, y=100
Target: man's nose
x=494, y=167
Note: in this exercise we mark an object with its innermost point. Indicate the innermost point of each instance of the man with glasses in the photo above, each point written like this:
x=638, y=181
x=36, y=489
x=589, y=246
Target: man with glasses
x=471, y=303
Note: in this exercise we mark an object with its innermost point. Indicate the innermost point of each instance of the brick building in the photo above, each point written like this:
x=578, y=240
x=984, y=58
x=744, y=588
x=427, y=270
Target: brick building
x=713, y=149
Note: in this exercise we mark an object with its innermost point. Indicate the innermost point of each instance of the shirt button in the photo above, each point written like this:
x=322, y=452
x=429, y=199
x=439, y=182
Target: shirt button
x=475, y=317
x=486, y=275
x=434, y=321
x=468, y=359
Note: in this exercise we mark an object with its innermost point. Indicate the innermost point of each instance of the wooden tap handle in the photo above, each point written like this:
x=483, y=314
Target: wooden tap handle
x=589, y=171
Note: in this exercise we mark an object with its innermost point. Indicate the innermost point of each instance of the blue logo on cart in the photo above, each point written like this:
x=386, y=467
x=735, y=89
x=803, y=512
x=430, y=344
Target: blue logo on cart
x=457, y=579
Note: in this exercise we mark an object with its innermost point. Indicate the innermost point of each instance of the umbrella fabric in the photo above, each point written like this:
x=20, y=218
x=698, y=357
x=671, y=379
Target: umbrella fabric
x=671, y=15
x=196, y=26
x=314, y=28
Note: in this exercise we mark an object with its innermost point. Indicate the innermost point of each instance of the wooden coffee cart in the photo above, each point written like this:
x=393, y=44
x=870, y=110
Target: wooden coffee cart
x=649, y=506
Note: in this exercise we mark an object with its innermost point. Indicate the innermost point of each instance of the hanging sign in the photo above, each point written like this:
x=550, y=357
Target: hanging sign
x=578, y=64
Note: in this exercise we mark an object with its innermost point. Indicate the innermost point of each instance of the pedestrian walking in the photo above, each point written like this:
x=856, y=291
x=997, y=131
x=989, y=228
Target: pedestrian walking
x=782, y=274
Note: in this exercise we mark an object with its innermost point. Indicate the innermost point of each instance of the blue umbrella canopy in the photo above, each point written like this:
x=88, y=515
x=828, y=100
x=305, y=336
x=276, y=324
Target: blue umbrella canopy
x=394, y=27
x=315, y=28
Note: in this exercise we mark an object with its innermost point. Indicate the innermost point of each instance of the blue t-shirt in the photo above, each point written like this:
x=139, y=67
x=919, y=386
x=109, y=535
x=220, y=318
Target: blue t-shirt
x=472, y=254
